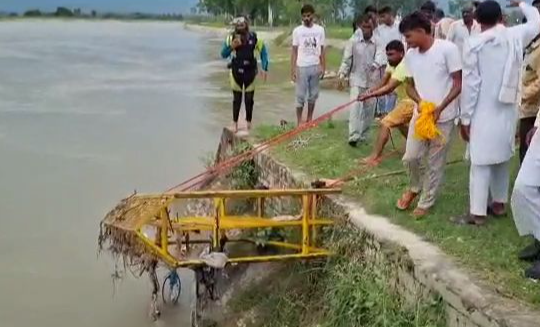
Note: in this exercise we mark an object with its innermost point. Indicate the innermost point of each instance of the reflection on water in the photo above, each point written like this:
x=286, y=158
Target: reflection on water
x=89, y=112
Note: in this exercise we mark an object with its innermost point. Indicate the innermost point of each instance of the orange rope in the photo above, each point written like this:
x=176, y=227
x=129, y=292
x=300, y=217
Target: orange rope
x=222, y=167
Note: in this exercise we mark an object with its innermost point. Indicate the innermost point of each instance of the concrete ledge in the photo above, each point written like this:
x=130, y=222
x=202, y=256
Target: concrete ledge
x=419, y=267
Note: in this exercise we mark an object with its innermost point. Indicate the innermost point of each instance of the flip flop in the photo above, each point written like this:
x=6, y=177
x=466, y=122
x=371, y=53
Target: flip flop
x=467, y=219
x=406, y=200
x=420, y=213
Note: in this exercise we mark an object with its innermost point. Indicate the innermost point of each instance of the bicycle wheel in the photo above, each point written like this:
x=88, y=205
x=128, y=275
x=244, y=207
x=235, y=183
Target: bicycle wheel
x=171, y=289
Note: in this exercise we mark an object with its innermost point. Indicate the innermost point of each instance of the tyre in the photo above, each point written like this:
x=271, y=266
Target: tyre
x=171, y=289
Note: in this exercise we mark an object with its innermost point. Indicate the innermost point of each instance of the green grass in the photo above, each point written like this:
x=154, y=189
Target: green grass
x=339, y=32
x=488, y=252
x=344, y=291
x=333, y=58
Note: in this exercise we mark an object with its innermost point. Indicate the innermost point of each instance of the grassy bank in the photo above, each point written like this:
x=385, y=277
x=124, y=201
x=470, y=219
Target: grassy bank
x=345, y=291
x=489, y=252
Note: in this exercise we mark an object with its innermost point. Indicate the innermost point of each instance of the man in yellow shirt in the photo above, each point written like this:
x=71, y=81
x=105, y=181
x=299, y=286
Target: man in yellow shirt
x=400, y=117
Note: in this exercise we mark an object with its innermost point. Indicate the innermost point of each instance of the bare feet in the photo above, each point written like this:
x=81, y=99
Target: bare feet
x=235, y=126
x=420, y=213
x=248, y=125
x=332, y=182
x=371, y=161
x=406, y=200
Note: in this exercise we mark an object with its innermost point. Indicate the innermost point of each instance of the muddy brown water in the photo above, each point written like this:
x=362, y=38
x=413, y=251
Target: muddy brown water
x=90, y=111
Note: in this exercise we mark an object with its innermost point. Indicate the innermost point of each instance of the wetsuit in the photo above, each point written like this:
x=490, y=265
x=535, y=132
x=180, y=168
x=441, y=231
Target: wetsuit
x=244, y=70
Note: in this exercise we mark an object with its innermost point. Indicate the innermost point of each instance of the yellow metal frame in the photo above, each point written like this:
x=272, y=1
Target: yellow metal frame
x=220, y=222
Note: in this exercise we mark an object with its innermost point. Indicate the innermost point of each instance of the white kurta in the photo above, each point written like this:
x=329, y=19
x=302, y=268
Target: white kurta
x=459, y=33
x=526, y=196
x=493, y=123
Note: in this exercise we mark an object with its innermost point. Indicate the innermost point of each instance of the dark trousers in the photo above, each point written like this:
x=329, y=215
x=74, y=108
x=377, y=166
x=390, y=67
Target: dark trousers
x=237, y=104
x=525, y=126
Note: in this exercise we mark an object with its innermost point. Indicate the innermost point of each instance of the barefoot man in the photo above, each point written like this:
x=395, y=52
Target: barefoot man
x=401, y=115
x=242, y=47
x=434, y=75
x=308, y=62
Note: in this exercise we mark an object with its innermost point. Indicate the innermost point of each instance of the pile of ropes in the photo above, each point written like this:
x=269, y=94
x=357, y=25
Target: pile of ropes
x=225, y=166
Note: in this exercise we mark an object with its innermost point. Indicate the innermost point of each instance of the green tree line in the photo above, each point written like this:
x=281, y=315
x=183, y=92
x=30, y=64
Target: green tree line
x=288, y=11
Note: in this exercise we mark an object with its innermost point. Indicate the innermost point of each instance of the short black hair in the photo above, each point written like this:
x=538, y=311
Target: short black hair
x=489, y=13
x=429, y=6
x=439, y=13
x=388, y=10
x=307, y=9
x=395, y=45
x=370, y=9
x=363, y=18
x=413, y=21
x=535, y=2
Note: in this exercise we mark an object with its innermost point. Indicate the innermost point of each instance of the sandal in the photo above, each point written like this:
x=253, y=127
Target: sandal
x=468, y=219
x=406, y=200
x=420, y=213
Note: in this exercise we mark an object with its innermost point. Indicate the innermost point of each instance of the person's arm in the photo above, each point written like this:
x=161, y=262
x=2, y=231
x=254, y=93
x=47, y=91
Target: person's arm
x=471, y=85
x=383, y=90
x=411, y=90
x=533, y=90
x=380, y=55
x=226, y=50
x=385, y=80
x=452, y=32
x=263, y=51
x=323, y=54
x=346, y=61
x=531, y=28
x=454, y=66
x=294, y=55
x=452, y=95
x=323, y=61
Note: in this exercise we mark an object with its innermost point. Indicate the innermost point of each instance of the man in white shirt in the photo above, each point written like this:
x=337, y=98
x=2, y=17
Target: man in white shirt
x=308, y=62
x=388, y=29
x=464, y=28
x=442, y=25
x=489, y=113
x=526, y=203
x=386, y=32
x=434, y=75
x=362, y=59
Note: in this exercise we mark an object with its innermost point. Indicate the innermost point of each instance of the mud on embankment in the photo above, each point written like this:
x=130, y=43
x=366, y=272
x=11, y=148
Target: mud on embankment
x=381, y=275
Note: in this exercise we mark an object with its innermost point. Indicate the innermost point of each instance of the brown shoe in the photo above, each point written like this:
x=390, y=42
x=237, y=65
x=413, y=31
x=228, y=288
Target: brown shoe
x=497, y=210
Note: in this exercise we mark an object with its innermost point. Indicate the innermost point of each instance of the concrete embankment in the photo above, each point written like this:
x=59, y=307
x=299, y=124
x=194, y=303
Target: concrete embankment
x=418, y=269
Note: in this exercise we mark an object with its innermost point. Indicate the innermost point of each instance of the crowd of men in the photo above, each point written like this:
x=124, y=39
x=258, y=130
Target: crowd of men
x=483, y=78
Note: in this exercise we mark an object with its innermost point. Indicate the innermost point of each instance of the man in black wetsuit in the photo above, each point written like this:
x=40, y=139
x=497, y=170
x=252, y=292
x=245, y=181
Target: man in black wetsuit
x=242, y=46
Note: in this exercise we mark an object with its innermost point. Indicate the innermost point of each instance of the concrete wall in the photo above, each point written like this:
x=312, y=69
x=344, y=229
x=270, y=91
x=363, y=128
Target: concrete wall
x=419, y=268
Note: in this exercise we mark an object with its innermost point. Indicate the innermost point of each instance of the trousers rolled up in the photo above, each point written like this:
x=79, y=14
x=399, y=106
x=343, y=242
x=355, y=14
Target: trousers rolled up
x=426, y=161
x=361, y=115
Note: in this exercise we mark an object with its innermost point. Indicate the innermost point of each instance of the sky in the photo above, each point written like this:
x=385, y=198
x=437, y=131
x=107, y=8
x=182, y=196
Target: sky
x=148, y=6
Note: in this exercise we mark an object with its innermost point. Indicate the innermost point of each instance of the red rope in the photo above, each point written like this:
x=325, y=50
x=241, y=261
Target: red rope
x=232, y=162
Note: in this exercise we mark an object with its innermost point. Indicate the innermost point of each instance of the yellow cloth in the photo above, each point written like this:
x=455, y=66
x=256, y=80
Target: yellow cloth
x=399, y=73
x=426, y=128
